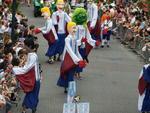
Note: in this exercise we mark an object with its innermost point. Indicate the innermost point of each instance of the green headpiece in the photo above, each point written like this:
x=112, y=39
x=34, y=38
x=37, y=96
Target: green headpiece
x=79, y=16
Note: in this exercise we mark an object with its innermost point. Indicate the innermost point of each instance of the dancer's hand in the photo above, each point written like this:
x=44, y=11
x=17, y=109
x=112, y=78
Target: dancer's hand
x=97, y=43
x=82, y=63
x=37, y=30
x=84, y=40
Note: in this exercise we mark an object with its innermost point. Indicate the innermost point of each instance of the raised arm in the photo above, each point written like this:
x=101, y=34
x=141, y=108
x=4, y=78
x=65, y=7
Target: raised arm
x=29, y=65
x=89, y=39
x=67, y=18
x=47, y=27
x=54, y=20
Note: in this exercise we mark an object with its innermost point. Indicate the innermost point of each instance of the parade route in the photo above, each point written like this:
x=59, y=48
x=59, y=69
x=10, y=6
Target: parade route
x=109, y=81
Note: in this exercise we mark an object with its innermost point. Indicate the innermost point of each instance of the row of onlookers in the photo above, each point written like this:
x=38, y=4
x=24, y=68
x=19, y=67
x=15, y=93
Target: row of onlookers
x=10, y=54
x=133, y=27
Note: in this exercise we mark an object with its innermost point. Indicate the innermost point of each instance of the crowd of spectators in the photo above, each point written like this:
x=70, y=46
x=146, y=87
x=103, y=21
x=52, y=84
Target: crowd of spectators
x=12, y=53
x=135, y=24
x=136, y=20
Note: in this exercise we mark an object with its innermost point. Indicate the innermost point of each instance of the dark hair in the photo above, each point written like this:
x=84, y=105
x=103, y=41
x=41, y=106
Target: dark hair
x=8, y=50
x=107, y=10
x=29, y=42
x=110, y=6
x=15, y=61
x=22, y=51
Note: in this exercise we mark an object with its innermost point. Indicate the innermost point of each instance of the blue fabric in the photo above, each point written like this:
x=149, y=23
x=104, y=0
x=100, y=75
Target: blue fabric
x=61, y=43
x=104, y=36
x=146, y=102
x=52, y=49
x=94, y=37
x=107, y=36
x=32, y=98
x=78, y=69
x=82, y=52
x=64, y=82
x=146, y=74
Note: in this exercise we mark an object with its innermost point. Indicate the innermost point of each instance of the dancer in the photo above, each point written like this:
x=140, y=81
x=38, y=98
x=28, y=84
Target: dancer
x=49, y=33
x=29, y=77
x=93, y=21
x=84, y=40
x=106, y=28
x=60, y=20
x=144, y=90
x=106, y=32
x=71, y=59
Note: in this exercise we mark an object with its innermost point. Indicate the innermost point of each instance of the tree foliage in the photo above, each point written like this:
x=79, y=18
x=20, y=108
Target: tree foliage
x=79, y=16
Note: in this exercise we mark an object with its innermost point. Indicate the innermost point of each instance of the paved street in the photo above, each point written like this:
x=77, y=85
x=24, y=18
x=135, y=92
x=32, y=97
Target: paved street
x=109, y=84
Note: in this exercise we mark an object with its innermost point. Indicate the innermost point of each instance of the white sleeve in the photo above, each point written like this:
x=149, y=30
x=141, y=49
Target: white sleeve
x=144, y=49
x=95, y=16
x=78, y=54
x=29, y=65
x=67, y=18
x=54, y=20
x=110, y=24
x=78, y=37
x=89, y=39
x=47, y=28
x=78, y=42
x=70, y=51
x=54, y=32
